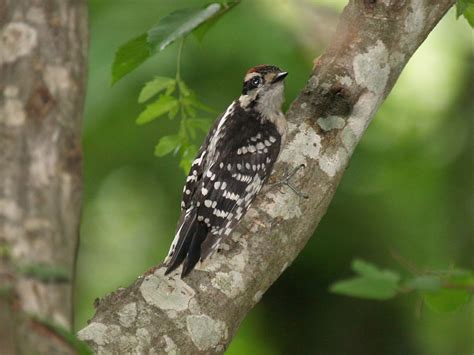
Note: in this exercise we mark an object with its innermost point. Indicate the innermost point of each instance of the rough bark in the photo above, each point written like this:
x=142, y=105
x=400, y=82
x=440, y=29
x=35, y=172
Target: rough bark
x=200, y=314
x=43, y=46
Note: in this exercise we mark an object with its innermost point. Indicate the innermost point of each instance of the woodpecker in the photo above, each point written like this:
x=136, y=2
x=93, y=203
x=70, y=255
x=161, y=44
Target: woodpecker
x=230, y=168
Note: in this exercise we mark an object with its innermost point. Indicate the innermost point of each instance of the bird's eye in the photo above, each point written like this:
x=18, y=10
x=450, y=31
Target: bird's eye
x=256, y=81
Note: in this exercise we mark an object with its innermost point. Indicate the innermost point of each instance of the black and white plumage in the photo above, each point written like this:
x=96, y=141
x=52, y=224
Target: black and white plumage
x=231, y=167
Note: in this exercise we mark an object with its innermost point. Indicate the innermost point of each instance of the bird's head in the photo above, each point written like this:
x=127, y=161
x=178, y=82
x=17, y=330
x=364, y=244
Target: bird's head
x=263, y=89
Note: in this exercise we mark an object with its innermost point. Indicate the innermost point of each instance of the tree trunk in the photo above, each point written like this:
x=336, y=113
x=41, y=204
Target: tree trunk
x=200, y=314
x=43, y=49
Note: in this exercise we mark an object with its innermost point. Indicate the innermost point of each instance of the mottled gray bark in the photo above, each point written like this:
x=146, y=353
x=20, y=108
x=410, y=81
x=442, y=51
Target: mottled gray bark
x=200, y=314
x=43, y=46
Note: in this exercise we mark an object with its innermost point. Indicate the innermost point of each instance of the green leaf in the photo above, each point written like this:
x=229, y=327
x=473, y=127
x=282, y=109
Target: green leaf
x=457, y=285
x=46, y=273
x=168, y=29
x=182, y=133
x=189, y=111
x=201, y=31
x=425, y=283
x=370, y=270
x=167, y=144
x=460, y=278
x=178, y=24
x=466, y=8
x=193, y=101
x=447, y=300
x=372, y=282
x=201, y=124
x=366, y=287
x=188, y=155
x=155, y=86
x=184, y=88
x=469, y=15
x=191, y=125
x=460, y=7
x=129, y=56
x=163, y=105
x=170, y=89
x=172, y=114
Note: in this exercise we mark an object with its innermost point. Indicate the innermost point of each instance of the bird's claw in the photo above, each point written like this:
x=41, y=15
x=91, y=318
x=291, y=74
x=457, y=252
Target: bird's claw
x=286, y=181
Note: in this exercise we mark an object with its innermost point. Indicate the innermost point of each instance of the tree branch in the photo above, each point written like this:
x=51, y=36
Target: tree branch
x=43, y=48
x=200, y=314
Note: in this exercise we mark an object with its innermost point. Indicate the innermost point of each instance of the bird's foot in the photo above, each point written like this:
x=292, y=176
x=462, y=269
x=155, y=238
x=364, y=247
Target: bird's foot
x=287, y=181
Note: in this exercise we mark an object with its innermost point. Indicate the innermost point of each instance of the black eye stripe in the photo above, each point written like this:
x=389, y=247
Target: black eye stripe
x=251, y=84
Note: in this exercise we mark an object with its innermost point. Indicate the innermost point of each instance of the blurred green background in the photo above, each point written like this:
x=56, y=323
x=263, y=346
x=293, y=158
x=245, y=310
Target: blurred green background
x=408, y=188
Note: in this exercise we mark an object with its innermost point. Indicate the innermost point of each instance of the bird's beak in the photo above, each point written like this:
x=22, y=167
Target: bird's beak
x=279, y=77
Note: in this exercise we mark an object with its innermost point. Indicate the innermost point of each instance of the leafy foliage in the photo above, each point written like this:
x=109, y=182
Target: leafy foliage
x=156, y=86
x=466, y=8
x=166, y=145
x=442, y=291
x=170, y=28
x=446, y=300
x=372, y=283
x=164, y=104
x=425, y=283
x=171, y=95
x=186, y=104
x=187, y=155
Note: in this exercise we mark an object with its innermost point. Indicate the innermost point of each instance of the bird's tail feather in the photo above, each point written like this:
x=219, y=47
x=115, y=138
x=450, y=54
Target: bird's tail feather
x=188, y=247
x=194, y=252
x=184, y=238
